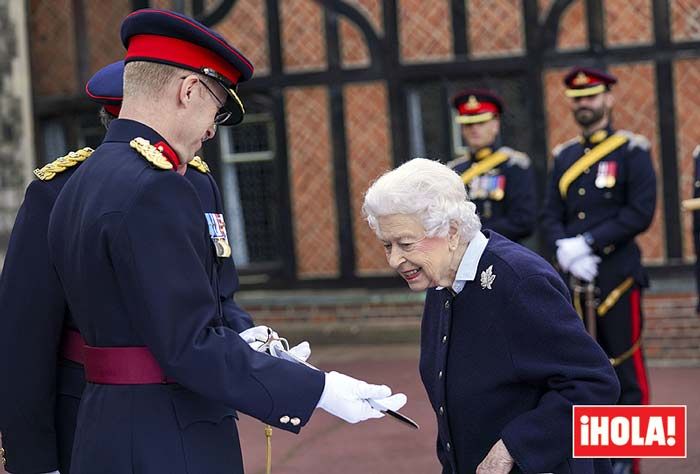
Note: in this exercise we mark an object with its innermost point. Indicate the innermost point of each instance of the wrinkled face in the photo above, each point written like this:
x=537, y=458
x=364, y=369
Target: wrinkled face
x=590, y=109
x=422, y=261
x=479, y=135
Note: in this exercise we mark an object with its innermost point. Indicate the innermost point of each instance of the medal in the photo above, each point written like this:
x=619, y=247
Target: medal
x=218, y=235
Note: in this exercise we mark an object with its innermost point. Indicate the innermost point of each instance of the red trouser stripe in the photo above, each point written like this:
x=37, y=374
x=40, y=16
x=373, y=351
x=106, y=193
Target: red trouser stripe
x=635, y=308
x=636, y=315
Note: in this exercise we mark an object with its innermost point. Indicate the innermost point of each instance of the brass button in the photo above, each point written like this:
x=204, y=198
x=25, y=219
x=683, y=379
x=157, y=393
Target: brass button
x=447, y=305
x=609, y=249
x=586, y=171
x=697, y=184
x=448, y=446
x=444, y=339
x=284, y=420
x=581, y=215
x=440, y=374
x=295, y=421
x=441, y=411
x=581, y=191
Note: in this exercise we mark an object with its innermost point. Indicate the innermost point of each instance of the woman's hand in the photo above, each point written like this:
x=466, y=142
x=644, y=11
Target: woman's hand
x=497, y=461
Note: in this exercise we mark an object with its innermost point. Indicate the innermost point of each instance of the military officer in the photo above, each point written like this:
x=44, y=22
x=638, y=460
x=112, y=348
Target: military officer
x=50, y=391
x=601, y=195
x=128, y=237
x=696, y=222
x=499, y=180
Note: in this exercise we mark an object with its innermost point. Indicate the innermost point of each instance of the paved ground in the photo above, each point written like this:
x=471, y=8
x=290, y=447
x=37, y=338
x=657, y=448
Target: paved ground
x=328, y=445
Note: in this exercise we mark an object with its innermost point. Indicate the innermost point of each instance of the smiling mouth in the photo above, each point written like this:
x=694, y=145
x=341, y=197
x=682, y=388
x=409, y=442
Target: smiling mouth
x=411, y=274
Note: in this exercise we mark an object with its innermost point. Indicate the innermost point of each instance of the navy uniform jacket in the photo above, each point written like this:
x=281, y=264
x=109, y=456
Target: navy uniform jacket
x=34, y=312
x=38, y=412
x=131, y=247
x=504, y=195
x=613, y=201
x=508, y=363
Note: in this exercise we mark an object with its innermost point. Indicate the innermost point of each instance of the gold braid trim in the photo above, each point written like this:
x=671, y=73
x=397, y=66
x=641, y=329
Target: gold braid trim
x=150, y=153
x=199, y=164
x=484, y=166
x=597, y=153
x=615, y=361
x=614, y=296
x=49, y=171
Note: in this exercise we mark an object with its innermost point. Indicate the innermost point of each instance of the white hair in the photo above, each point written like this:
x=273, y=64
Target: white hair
x=427, y=189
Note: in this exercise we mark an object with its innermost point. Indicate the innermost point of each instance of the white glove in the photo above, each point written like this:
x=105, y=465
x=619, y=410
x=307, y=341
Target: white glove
x=585, y=268
x=257, y=336
x=301, y=351
x=346, y=398
x=570, y=249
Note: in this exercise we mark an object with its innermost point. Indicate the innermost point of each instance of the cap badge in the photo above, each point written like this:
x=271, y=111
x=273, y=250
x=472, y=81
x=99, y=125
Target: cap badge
x=581, y=79
x=472, y=103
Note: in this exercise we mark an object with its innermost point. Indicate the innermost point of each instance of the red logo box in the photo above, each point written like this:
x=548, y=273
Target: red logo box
x=629, y=431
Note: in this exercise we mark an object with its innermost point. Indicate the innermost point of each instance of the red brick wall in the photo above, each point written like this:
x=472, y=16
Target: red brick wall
x=425, y=34
x=104, y=43
x=52, y=44
x=685, y=20
x=495, y=28
x=671, y=327
x=246, y=28
x=686, y=76
x=354, y=51
x=628, y=22
x=369, y=155
x=573, y=32
x=311, y=176
x=303, y=36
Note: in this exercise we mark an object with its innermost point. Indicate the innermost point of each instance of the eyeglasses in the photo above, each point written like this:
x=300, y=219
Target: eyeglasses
x=223, y=114
x=232, y=90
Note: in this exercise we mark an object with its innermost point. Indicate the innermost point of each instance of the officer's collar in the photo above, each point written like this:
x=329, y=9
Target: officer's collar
x=125, y=130
x=597, y=136
x=482, y=153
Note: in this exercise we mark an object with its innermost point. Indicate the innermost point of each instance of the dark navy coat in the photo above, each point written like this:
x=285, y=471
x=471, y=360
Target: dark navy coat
x=504, y=196
x=42, y=391
x=130, y=244
x=509, y=363
x=38, y=411
x=612, y=211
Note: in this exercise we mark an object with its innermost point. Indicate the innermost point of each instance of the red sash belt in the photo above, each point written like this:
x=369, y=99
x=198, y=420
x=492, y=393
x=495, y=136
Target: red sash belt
x=122, y=366
x=112, y=365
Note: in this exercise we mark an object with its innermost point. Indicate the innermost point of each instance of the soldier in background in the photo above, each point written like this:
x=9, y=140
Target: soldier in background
x=601, y=195
x=696, y=222
x=499, y=180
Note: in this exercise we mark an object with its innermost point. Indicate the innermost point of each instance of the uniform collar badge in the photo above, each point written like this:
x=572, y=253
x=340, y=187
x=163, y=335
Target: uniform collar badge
x=487, y=278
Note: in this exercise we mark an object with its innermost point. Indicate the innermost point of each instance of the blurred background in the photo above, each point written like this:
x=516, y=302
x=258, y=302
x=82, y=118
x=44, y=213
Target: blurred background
x=344, y=90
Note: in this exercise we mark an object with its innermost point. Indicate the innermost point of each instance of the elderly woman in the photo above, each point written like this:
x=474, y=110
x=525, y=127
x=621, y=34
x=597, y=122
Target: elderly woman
x=504, y=356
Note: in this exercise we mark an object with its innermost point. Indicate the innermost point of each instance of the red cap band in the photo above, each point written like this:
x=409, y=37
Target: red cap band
x=466, y=108
x=179, y=52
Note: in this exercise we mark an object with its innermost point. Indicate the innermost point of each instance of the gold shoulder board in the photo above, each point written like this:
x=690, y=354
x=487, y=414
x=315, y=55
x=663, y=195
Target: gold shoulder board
x=199, y=164
x=150, y=153
x=59, y=165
